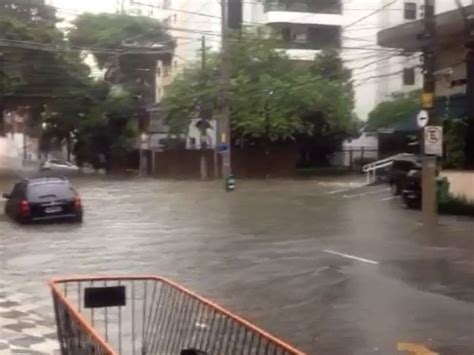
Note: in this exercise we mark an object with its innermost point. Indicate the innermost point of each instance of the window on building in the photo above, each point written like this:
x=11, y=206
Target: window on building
x=410, y=11
x=175, y=18
x=409, y=76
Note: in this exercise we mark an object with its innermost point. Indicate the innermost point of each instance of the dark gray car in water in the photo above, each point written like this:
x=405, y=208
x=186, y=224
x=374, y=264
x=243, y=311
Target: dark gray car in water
x=43, y=199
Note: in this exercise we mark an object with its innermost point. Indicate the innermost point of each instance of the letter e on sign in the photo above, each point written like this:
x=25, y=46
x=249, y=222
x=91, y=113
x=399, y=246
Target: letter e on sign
x=434, y=140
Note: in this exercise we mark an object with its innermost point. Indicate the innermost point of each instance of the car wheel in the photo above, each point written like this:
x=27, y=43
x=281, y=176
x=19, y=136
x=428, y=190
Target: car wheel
x=395, y=189
x=413, y=204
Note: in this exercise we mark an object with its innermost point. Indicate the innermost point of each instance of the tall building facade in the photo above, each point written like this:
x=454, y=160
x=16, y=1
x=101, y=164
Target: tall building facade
x=450, y=47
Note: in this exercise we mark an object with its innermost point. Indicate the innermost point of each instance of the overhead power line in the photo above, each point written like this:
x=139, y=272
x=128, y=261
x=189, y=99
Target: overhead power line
x=363, y=18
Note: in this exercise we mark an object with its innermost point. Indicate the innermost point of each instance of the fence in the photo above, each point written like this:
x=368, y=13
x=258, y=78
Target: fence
x=354, y=158
x=246, y=163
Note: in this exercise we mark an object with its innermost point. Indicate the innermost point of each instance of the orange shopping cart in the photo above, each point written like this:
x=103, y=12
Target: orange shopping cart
x=145, y=315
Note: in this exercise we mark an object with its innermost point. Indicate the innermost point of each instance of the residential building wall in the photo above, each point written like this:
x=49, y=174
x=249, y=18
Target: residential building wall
x=351, y=26
x=450, y=55
x=461, y=183
x=193, y=19
x=394, y=70
x=451, y=69
x=447, y=5
x=158, y=9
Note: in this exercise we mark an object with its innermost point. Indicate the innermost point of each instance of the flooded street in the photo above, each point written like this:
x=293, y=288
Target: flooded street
x=330, y=271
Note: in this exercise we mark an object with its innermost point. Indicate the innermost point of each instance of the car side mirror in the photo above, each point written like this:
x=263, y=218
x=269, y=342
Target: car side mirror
x=7, y=196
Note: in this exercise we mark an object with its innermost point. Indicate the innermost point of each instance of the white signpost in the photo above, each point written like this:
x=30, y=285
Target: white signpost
x=422, y=118
x=434, y=140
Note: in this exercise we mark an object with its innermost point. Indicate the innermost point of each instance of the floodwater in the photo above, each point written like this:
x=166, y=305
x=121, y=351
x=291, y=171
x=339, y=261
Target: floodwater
x=328, y=270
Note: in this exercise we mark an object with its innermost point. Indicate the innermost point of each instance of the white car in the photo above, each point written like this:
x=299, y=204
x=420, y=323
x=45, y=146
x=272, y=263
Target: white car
x=61, y=166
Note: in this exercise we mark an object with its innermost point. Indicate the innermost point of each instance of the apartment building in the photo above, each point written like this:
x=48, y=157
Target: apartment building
x=451, y=52
x=309, y=26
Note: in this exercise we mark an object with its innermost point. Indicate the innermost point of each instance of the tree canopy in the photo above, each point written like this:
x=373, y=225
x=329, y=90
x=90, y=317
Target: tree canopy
x=107, y=35
x=393, y=111
x=37, y=64
x=43, y=69
x=271, y=97
x=35, y=59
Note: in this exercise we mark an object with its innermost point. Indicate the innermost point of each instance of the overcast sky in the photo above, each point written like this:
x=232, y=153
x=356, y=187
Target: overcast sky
x=85, y=5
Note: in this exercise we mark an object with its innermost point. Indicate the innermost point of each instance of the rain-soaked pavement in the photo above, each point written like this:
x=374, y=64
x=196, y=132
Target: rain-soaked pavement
x=331, y=271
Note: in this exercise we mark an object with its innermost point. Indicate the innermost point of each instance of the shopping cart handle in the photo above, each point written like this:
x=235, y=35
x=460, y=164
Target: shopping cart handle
x=192, y=352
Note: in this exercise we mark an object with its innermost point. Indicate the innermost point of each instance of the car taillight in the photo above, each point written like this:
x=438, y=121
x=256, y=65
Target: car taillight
x=77, y=202
x=25, y=210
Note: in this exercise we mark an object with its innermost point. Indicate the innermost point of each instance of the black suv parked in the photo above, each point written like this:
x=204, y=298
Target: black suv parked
x=397, y=176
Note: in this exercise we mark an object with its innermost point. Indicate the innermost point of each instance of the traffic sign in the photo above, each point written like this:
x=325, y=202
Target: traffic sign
x=422, y=118
x=427, y=100
x=221, y=148
x=434, y=140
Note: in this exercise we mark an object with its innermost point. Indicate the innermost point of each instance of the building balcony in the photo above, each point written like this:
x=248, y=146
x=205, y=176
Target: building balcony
x=309, y=6
x=304, y=37
x=310, y=12
x=301, y=54
x=307, y=18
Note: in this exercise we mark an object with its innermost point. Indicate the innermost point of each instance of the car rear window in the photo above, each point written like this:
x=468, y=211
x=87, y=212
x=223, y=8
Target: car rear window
x=41, y=192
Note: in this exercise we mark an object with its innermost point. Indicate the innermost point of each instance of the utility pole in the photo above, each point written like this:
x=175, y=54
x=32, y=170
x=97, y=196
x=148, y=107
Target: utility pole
x=469, y=43
x=231, y=17
x=224, y=138
x=2, y=94
x=204, y=124
x=428, y=186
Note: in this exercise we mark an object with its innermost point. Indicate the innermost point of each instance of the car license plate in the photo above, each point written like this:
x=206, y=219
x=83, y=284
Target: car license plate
x=53, y=209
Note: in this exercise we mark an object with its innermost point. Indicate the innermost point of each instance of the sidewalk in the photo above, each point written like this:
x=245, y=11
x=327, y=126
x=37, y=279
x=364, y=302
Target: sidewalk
x=22, y=329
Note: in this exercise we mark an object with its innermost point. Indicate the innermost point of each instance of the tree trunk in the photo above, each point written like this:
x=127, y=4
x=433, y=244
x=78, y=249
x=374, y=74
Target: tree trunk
x=267, y=159
x=203, y=159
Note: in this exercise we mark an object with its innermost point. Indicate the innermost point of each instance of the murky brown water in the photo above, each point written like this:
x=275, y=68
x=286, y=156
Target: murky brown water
x=260, y=252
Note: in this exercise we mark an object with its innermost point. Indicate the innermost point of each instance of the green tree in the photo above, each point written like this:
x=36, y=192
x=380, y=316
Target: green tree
x=272, y=99
x=393, y=111
x=455, y=143
x=37, y=65
x=98, y=124
x=109, y=36
x=128, y=47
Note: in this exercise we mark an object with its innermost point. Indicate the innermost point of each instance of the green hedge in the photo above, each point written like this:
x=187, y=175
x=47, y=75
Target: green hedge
x=459, y=206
